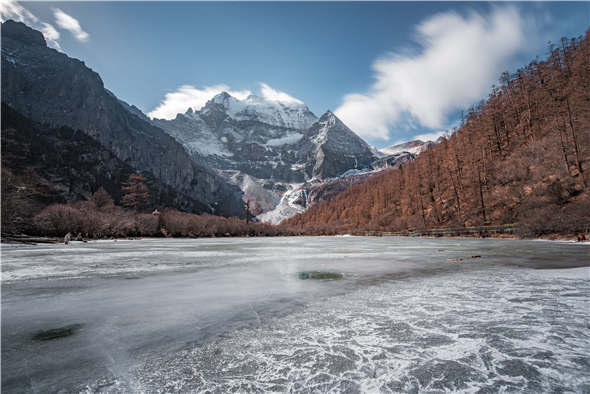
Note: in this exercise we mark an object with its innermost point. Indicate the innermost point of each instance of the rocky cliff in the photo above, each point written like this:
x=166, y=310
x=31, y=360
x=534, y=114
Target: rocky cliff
x=272, y=150
x=48, y=86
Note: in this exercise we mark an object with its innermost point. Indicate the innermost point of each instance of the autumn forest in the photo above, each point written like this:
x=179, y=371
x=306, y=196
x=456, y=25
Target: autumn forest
x=521, y=156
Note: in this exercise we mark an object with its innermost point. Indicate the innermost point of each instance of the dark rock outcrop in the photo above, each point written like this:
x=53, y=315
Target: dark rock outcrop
x=239, y=139
x=43, y=165
x=330, y=148
x=268, y=148
x=21, y=32
x=48, y=86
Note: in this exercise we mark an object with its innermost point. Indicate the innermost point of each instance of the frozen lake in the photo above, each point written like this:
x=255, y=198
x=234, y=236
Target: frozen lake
x=246, y=314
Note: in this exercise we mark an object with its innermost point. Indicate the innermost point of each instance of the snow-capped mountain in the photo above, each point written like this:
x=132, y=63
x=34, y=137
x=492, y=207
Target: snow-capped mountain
x=48, y=87
x=415, y=147
x=272, y=150
x=292, y=114
x=336, y=149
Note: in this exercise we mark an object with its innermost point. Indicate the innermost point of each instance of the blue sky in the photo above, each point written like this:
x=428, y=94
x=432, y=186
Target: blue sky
x=377, y=64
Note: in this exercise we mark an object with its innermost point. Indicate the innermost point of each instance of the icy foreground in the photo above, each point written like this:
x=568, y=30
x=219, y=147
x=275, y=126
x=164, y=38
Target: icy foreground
x=234, y=315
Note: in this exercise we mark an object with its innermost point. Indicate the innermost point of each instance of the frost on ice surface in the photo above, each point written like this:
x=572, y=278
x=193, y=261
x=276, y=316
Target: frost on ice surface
x=516, y=332
x=233, y=315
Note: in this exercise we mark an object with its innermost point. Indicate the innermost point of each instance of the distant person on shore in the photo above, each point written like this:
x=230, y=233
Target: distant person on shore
x=581, y=237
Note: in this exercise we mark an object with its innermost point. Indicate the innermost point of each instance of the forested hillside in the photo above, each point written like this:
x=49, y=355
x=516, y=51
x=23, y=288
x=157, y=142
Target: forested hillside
x=42, y=165
x=521, y=156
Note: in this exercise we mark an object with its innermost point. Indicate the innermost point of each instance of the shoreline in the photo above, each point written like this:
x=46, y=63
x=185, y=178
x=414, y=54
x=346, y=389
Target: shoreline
x=23, y=239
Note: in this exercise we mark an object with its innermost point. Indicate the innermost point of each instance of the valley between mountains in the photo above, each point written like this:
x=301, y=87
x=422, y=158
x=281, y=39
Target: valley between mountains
x=275, y=155
x=519, y=158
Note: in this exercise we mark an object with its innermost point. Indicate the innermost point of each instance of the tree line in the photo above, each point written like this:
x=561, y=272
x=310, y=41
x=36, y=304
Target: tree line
x=99, y=217
x=521, y=156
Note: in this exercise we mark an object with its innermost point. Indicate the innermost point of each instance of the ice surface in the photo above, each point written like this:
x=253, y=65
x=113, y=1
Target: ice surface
x=232, y=315
x=495, y=331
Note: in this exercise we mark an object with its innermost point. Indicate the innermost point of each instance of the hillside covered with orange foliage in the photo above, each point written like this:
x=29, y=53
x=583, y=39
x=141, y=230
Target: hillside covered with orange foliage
x=521, y=156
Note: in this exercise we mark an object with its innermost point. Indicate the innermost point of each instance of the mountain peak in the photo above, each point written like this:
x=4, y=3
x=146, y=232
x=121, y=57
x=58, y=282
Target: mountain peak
x=415, y=147
x=221, y=96
x=328, y=126
x=23, y=33
x=329, y=119
x=271, y=112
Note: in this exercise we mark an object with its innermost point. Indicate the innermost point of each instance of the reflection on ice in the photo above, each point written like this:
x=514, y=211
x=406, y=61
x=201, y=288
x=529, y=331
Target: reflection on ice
x=319, y=275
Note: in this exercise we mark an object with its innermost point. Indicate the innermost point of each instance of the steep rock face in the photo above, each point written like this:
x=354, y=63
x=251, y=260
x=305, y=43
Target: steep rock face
x=249, y=136
x=48, y=86
x=300, y=197
x=47, y=165
x=272, y=144
x=330, y=149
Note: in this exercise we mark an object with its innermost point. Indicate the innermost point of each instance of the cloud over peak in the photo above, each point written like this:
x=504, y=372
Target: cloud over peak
x=460, y=57
x=11, y=9
x=271, y=94
x=188, y=96
x=68, y=22
x=49, y=32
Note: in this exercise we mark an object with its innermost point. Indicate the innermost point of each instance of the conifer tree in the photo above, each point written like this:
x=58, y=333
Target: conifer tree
x=135, y=192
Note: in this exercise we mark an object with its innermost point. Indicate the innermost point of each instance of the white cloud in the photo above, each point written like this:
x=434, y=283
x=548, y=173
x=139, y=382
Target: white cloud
x=187, y=96
x=68, y=22
x=51, y=35
x=271, y=94
x=10, y=9
x=460, y=58
x=49, y=31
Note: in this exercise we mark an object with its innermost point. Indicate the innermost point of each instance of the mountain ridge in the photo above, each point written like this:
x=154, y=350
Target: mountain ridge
x=520, y=158
x=269, y=160
x=263, y=147
x=48, y=86
x=57, y=165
